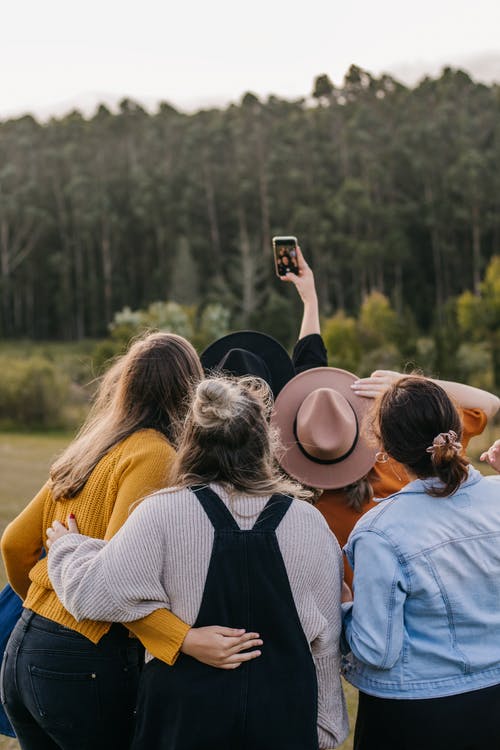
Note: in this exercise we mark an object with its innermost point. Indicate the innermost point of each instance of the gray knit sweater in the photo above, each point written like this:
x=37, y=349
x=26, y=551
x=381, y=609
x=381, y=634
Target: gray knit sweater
x=160, y=558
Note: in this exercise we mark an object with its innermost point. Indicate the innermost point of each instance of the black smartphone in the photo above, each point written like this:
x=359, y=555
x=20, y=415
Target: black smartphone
x=285, y=255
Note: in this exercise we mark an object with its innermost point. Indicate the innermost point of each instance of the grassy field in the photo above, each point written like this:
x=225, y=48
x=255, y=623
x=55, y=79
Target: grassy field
x=24, y=462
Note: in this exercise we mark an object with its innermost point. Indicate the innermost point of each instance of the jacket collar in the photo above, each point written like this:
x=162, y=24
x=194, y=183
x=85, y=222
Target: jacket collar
x=418, y=486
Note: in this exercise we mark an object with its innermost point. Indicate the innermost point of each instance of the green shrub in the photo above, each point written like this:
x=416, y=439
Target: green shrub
x=341, y=339
x=386, y=357
x=33, y=393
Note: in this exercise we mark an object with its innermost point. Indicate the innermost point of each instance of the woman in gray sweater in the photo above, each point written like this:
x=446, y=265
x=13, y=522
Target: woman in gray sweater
x=233, y=542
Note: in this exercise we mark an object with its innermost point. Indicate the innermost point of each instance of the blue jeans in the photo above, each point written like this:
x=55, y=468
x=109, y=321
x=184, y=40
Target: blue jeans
x=62, y=692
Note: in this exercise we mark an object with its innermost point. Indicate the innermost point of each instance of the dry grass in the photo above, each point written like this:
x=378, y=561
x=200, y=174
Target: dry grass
x=24, y=463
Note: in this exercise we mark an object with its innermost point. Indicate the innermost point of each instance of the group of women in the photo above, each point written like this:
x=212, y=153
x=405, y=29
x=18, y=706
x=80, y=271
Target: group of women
x=194, y=596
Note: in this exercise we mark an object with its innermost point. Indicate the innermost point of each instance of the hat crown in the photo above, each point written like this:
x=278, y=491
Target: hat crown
x=326, y=425
x=242, y=362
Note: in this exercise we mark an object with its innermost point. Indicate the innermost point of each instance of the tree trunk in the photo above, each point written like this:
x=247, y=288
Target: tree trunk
x=476, y=252
x=247, y=268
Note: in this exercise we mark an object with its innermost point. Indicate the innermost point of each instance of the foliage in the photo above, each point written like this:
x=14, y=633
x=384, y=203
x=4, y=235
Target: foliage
x=33, y=393
x=214, y=322
x=342, y=342
x=390, y=190
x=377, y=321
x=200, y=326
x=479, y=315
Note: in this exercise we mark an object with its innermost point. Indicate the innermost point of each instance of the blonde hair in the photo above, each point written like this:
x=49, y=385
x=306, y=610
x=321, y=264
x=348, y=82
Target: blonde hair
x=359, y=494
x=148, y=387
x=228, y=439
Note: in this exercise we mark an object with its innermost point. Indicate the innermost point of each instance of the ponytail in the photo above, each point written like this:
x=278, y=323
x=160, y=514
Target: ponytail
x=417, y=424
x=449, y=466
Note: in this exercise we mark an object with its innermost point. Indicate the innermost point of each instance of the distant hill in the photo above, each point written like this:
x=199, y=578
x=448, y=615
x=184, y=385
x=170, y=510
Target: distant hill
x=484, y=67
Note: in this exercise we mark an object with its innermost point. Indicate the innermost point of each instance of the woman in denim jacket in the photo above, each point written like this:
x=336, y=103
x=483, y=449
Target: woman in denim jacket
x=424, y=627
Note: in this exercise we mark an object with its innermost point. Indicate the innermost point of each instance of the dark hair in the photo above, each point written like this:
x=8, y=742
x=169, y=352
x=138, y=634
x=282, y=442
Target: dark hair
x=408, y=418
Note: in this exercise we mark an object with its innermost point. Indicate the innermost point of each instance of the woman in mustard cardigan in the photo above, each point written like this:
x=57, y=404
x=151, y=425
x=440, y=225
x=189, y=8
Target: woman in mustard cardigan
x=70, y=685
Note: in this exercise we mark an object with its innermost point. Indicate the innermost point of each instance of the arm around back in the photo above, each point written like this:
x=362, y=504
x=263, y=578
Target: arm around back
x=119, y=580
x=22, y=544
x=144, y=466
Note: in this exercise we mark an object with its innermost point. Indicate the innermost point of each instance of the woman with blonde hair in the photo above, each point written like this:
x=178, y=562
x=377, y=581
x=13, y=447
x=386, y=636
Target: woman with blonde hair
x=230, y=542
x=70, y=683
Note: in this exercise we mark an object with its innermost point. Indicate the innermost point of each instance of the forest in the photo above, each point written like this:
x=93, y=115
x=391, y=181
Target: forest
x=393, y=192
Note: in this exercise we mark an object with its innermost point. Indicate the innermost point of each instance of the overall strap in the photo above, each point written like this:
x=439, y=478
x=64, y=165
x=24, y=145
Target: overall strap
x=220, y=517
x=273, y=512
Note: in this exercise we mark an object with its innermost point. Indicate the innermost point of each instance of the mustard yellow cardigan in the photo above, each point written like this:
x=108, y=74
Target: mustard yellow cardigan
x=132, y=469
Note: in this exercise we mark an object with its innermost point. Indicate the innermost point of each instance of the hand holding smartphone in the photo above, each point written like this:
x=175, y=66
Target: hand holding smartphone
x=285, y=255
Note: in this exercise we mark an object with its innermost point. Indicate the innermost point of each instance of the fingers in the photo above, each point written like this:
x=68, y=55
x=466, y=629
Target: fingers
x=346, y=595
x=233, y=662
x=373, y=386
x=492, y=456
x=368, y=389
x=302, y=261
x=72, y=525
x=53, y=532
x=58, y=529
x=367, y=392
x=244, y=645
x=233, y=632
x=391, y=375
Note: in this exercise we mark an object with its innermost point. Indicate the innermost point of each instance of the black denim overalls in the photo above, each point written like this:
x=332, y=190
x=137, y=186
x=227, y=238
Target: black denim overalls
x=269, y=703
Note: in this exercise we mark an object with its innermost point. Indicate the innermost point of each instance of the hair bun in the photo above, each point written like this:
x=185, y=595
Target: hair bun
x=445, y=447
x=216, y=402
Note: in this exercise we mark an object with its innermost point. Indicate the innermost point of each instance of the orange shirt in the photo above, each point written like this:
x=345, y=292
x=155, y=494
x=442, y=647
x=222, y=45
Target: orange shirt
x=386, y=479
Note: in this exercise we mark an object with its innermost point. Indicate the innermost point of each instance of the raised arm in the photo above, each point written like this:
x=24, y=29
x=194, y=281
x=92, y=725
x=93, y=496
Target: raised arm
x=309, y=351
x=466, y=396
x=469, y=397
x=304, y=283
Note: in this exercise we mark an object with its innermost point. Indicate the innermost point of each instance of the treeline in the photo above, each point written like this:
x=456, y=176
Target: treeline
x=388, y=188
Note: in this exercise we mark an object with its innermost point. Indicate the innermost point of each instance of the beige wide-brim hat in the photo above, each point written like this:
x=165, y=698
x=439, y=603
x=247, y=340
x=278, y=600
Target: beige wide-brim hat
x=319, y=418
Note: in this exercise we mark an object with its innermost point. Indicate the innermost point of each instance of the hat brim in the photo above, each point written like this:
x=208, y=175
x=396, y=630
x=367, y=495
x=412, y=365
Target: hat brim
x=275, y=356
x=292, y=459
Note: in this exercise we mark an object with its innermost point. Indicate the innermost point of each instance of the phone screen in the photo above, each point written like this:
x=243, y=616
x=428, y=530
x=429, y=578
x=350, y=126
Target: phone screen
x=285, y=255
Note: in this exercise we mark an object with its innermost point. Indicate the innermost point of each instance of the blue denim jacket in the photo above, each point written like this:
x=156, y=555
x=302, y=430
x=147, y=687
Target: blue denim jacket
x=425, y=621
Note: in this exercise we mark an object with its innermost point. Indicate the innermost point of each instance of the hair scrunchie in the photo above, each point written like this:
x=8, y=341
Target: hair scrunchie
x=445, y=440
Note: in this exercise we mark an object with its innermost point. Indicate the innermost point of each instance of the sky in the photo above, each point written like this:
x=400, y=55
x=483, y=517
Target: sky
x=62, y=53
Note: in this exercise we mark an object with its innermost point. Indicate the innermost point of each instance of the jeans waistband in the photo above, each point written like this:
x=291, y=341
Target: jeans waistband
x=33, y=619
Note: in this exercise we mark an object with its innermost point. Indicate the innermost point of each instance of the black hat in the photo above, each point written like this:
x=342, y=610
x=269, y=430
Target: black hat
x=250, y=353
